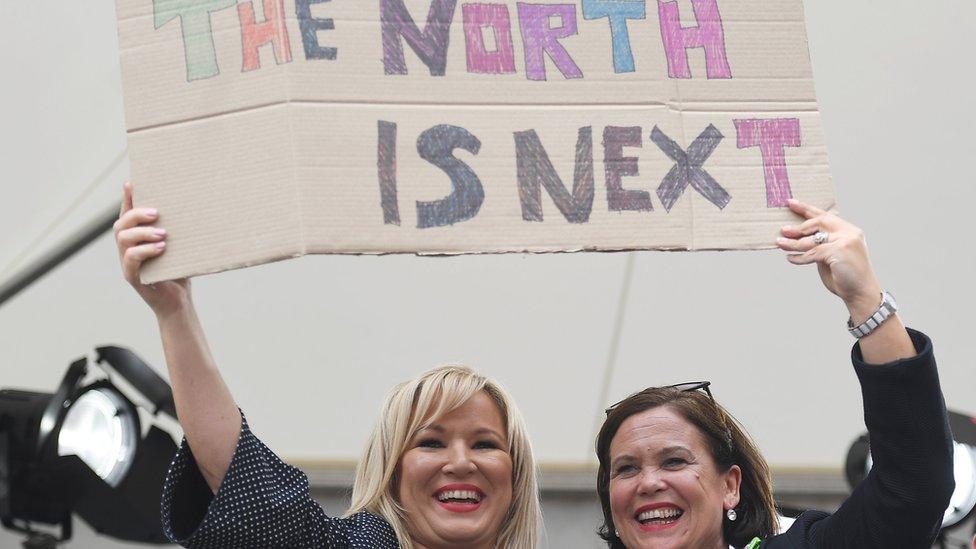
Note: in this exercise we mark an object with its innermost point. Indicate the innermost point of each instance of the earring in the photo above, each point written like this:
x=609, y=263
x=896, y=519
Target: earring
x=731, y=514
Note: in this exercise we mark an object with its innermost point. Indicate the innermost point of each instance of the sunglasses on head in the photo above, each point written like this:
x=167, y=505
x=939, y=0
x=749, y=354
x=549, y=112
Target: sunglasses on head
x=680, y=387
x=687, y=388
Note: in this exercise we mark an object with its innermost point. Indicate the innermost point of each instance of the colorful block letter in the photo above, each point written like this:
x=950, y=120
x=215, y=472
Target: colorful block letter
x=495, y=17
x=772, y=136
x=709, y=34
x=539, y=38
x=618, y=12
x=310, y=27
x=430, y=45
x=437, y=146
x=616, y=166
x=198, y=44
x=272, y=31
x=535, y=170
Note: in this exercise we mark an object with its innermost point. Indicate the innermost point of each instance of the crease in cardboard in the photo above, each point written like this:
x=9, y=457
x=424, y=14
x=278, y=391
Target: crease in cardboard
x=686, y=107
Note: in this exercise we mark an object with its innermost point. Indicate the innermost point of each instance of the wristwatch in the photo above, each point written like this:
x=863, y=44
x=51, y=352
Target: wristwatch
x=885, y=311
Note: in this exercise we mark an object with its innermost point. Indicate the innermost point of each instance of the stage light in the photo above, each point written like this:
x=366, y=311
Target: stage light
x=962, y=504
x=99, y=431
x=83, y=451
x=963, y=500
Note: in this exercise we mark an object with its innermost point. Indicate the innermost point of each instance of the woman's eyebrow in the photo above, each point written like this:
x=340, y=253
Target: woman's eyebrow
x=626, y=458
x=481, y=431
x=677, y=449
x=666, y=451
x=488, y=431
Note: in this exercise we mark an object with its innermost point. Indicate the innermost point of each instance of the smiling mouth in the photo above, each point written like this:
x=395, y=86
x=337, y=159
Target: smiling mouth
x=658, y=519
x=460, y=500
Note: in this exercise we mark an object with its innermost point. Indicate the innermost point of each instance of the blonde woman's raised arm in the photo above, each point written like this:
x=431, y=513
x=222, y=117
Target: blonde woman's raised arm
x=210, y=418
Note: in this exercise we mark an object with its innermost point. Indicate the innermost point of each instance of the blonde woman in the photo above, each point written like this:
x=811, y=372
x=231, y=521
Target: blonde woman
x=449, y=464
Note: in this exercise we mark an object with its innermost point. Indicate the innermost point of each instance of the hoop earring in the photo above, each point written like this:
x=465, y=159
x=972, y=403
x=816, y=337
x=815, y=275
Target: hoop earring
x=732, y=515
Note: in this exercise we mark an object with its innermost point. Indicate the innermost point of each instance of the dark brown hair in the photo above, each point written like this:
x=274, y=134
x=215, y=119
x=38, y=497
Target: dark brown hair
x=756, y=509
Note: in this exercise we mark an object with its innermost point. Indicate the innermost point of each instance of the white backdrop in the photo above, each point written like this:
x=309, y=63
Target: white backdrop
x=309, y=346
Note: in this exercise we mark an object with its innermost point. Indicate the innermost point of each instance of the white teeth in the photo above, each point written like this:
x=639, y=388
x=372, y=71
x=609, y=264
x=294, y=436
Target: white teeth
x=459, y=494
x=662, y=513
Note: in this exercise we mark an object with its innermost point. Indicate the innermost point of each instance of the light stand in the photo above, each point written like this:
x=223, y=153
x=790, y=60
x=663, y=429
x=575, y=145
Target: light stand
x=82, y=450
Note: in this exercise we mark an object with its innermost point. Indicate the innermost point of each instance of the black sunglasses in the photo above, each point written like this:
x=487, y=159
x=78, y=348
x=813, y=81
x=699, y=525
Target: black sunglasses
x=680, y=387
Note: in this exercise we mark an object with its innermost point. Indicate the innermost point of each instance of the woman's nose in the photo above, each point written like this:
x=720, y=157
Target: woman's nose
x=459, y=460
x=651, y=481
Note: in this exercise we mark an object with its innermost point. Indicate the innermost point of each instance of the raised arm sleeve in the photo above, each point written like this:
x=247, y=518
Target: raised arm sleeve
x=262, y=503
x=902, y=500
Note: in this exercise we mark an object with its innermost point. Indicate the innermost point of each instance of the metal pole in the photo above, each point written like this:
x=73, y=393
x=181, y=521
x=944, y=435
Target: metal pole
x=58, y=254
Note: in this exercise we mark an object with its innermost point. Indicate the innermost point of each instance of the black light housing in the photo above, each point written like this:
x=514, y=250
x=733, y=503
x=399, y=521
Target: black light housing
x=962, y=505
x=81, y=450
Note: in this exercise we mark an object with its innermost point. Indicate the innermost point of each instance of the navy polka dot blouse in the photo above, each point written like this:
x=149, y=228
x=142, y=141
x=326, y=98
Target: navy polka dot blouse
x=262, y=503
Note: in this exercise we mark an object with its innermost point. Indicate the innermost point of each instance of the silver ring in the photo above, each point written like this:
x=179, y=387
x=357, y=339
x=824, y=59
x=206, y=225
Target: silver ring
x=820, y=237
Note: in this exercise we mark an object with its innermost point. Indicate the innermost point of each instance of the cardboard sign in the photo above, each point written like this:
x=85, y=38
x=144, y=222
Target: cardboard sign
x=269, y=129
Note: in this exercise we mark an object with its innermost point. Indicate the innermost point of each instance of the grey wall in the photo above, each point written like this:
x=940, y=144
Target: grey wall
x=309, y=346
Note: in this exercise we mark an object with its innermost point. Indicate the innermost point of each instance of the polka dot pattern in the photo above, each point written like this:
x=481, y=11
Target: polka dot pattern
x=262, y=503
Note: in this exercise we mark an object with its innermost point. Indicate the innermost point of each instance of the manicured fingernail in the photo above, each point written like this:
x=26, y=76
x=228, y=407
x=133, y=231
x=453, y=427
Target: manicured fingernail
x=160, y=232
x=152, y=212
x=791, y=200
x=781, y=241
x=160, y=245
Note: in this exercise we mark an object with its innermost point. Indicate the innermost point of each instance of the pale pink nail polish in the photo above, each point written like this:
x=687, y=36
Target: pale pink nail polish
x=160, y=232
x=160, y=245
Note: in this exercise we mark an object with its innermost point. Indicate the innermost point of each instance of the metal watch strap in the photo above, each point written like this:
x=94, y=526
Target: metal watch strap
x=885, y=311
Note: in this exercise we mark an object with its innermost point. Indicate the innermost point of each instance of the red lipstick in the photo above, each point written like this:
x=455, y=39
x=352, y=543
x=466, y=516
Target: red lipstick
x=460, y=506
x=658, y=526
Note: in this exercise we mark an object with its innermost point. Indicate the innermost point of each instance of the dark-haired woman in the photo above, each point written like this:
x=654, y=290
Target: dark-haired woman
x=677, y=471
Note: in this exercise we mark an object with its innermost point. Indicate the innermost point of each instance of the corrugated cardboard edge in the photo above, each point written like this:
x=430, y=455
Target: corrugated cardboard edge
x=162, y=276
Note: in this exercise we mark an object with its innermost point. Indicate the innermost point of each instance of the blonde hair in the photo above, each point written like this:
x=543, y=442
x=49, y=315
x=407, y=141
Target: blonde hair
x=415, y=405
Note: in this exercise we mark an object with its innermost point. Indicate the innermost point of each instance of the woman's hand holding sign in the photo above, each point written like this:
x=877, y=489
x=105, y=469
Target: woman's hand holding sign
x=139, y=240
x=839, y=249
x=842, y=258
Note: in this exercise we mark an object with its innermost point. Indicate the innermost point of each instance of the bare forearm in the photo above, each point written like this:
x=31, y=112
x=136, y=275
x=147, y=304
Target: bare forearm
x=210, y=417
